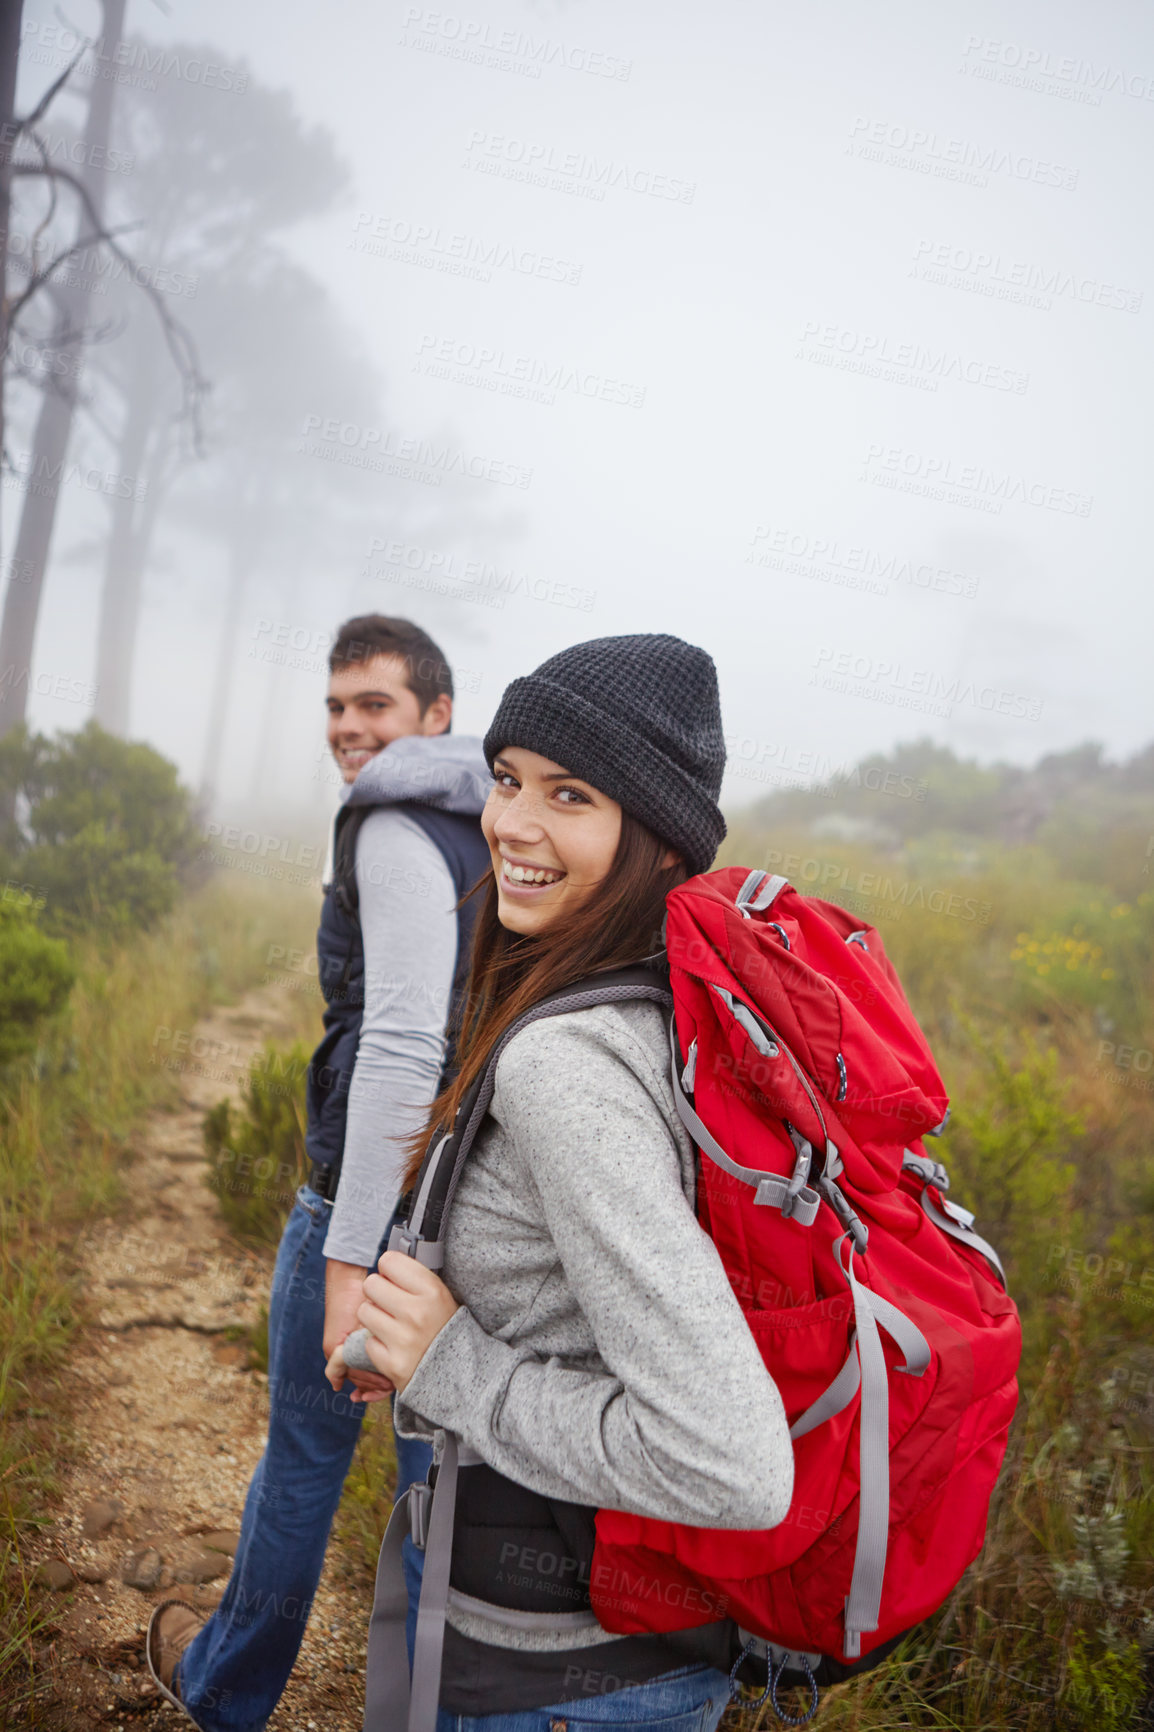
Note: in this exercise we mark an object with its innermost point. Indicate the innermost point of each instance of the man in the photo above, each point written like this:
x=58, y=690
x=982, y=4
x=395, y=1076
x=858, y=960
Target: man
x=392, y=948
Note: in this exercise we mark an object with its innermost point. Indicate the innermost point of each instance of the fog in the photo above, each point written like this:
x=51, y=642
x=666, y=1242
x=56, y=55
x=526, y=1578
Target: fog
x=816, y=335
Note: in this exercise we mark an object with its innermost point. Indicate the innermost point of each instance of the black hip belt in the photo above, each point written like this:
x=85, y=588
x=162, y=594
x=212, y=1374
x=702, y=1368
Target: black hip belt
x=516, y=1549
x=430, y=1513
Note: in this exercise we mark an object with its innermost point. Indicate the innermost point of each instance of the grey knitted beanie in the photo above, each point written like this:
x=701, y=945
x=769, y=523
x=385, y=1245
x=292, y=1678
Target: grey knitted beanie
x=639, y=718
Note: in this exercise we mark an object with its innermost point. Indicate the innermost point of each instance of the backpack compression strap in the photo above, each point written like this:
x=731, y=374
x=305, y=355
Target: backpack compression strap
x=956, y=1221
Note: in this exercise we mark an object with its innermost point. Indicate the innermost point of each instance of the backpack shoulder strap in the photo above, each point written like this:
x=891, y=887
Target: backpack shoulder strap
x=348, y=827
x=422, y=1235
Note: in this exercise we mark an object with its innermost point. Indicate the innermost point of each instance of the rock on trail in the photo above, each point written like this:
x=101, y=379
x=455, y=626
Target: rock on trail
x=170, y=1426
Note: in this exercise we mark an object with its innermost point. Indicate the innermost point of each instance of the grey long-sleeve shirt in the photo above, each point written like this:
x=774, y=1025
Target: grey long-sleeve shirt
x=407, y=912
x=599, y=1354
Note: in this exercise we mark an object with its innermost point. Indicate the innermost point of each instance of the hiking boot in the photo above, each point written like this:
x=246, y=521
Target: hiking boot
x=170, y=1629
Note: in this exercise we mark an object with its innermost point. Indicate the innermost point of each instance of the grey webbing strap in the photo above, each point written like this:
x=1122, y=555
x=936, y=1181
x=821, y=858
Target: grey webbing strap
x=387, y=1668
x=769, y=1188
x=915, y=1348
x=742, y=1014
x=961, y=1230
x=515, y=1620
x=759, y=891
x=391, y=1705
x=928, y=1171
x=748, y=887
x=405, y=1236
x=863, y=1603
x=957, y=1222
x=834, y=1397
x=411, y=1236
x=430, y=1637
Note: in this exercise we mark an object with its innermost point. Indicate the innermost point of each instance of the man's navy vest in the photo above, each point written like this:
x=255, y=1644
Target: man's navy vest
x=341, y=970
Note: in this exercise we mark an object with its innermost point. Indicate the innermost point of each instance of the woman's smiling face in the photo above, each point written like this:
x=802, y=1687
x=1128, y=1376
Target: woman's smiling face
x=553, y=839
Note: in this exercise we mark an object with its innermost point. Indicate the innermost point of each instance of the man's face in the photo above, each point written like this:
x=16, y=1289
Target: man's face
x=370, y=705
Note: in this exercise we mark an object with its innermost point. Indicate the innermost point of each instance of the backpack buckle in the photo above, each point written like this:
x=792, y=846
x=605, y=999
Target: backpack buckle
x=803, y=1152
x=420, y=1506
x=929, y=1171
x=430, y=1252
x=840, y=1204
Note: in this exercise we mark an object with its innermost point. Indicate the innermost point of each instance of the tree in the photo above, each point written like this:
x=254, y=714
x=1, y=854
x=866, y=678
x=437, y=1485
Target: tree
x=106, y=833
x=208, y=204
x=53, y=426
x=276, y=512
x=45, y=467
x=10, y=16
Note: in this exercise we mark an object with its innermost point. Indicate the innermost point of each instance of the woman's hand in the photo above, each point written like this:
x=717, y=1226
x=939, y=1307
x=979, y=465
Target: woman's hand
x=366, y=1386
x=405, y=1306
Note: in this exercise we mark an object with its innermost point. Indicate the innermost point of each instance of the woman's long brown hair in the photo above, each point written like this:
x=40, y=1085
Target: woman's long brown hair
x=619, y=923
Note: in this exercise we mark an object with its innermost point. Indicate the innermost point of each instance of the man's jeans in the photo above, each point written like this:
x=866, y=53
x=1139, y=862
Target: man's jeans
x=690, y=1700
x=232, y=1675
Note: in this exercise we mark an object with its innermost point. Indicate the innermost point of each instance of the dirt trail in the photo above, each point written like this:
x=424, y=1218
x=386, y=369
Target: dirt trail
x=171, y=1426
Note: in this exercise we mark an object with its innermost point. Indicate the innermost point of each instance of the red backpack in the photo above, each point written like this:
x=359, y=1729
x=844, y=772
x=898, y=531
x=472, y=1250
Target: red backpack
x=805, y=1082
x=797, y=1055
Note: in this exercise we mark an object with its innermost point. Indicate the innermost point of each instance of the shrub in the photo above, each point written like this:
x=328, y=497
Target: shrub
x=100, y=827
x=1097, y=958
x=36, y=977
x=256, y=1153
x=1104, y=1690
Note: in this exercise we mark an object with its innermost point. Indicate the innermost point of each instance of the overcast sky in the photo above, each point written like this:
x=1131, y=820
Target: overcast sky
x=818, y=335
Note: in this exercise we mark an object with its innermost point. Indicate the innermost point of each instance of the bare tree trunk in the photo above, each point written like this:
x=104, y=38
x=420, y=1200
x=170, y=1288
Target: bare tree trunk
x=54, y=424
x=259, y=792
x=239, y=566
x=10, y=14
x=123, y=621
x=129, y=536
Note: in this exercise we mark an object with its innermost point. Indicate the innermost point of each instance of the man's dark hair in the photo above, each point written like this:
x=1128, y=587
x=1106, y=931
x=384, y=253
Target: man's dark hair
x=372, y=634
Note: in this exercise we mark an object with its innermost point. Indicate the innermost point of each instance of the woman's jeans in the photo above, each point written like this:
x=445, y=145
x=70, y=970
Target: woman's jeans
x=232, y=1674
x=691, y=1700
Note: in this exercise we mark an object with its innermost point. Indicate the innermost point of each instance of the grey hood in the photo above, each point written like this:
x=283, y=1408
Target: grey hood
x=446, y=771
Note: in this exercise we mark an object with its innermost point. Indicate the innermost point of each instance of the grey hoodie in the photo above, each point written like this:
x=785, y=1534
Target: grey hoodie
x=446, y=771
x=409, y=930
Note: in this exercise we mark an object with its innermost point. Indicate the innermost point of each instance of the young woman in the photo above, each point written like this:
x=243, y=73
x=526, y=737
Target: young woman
x=584, y=1340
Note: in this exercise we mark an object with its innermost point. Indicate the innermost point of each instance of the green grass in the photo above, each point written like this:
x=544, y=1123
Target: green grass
x=367, y=1500
x=256, y=1151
